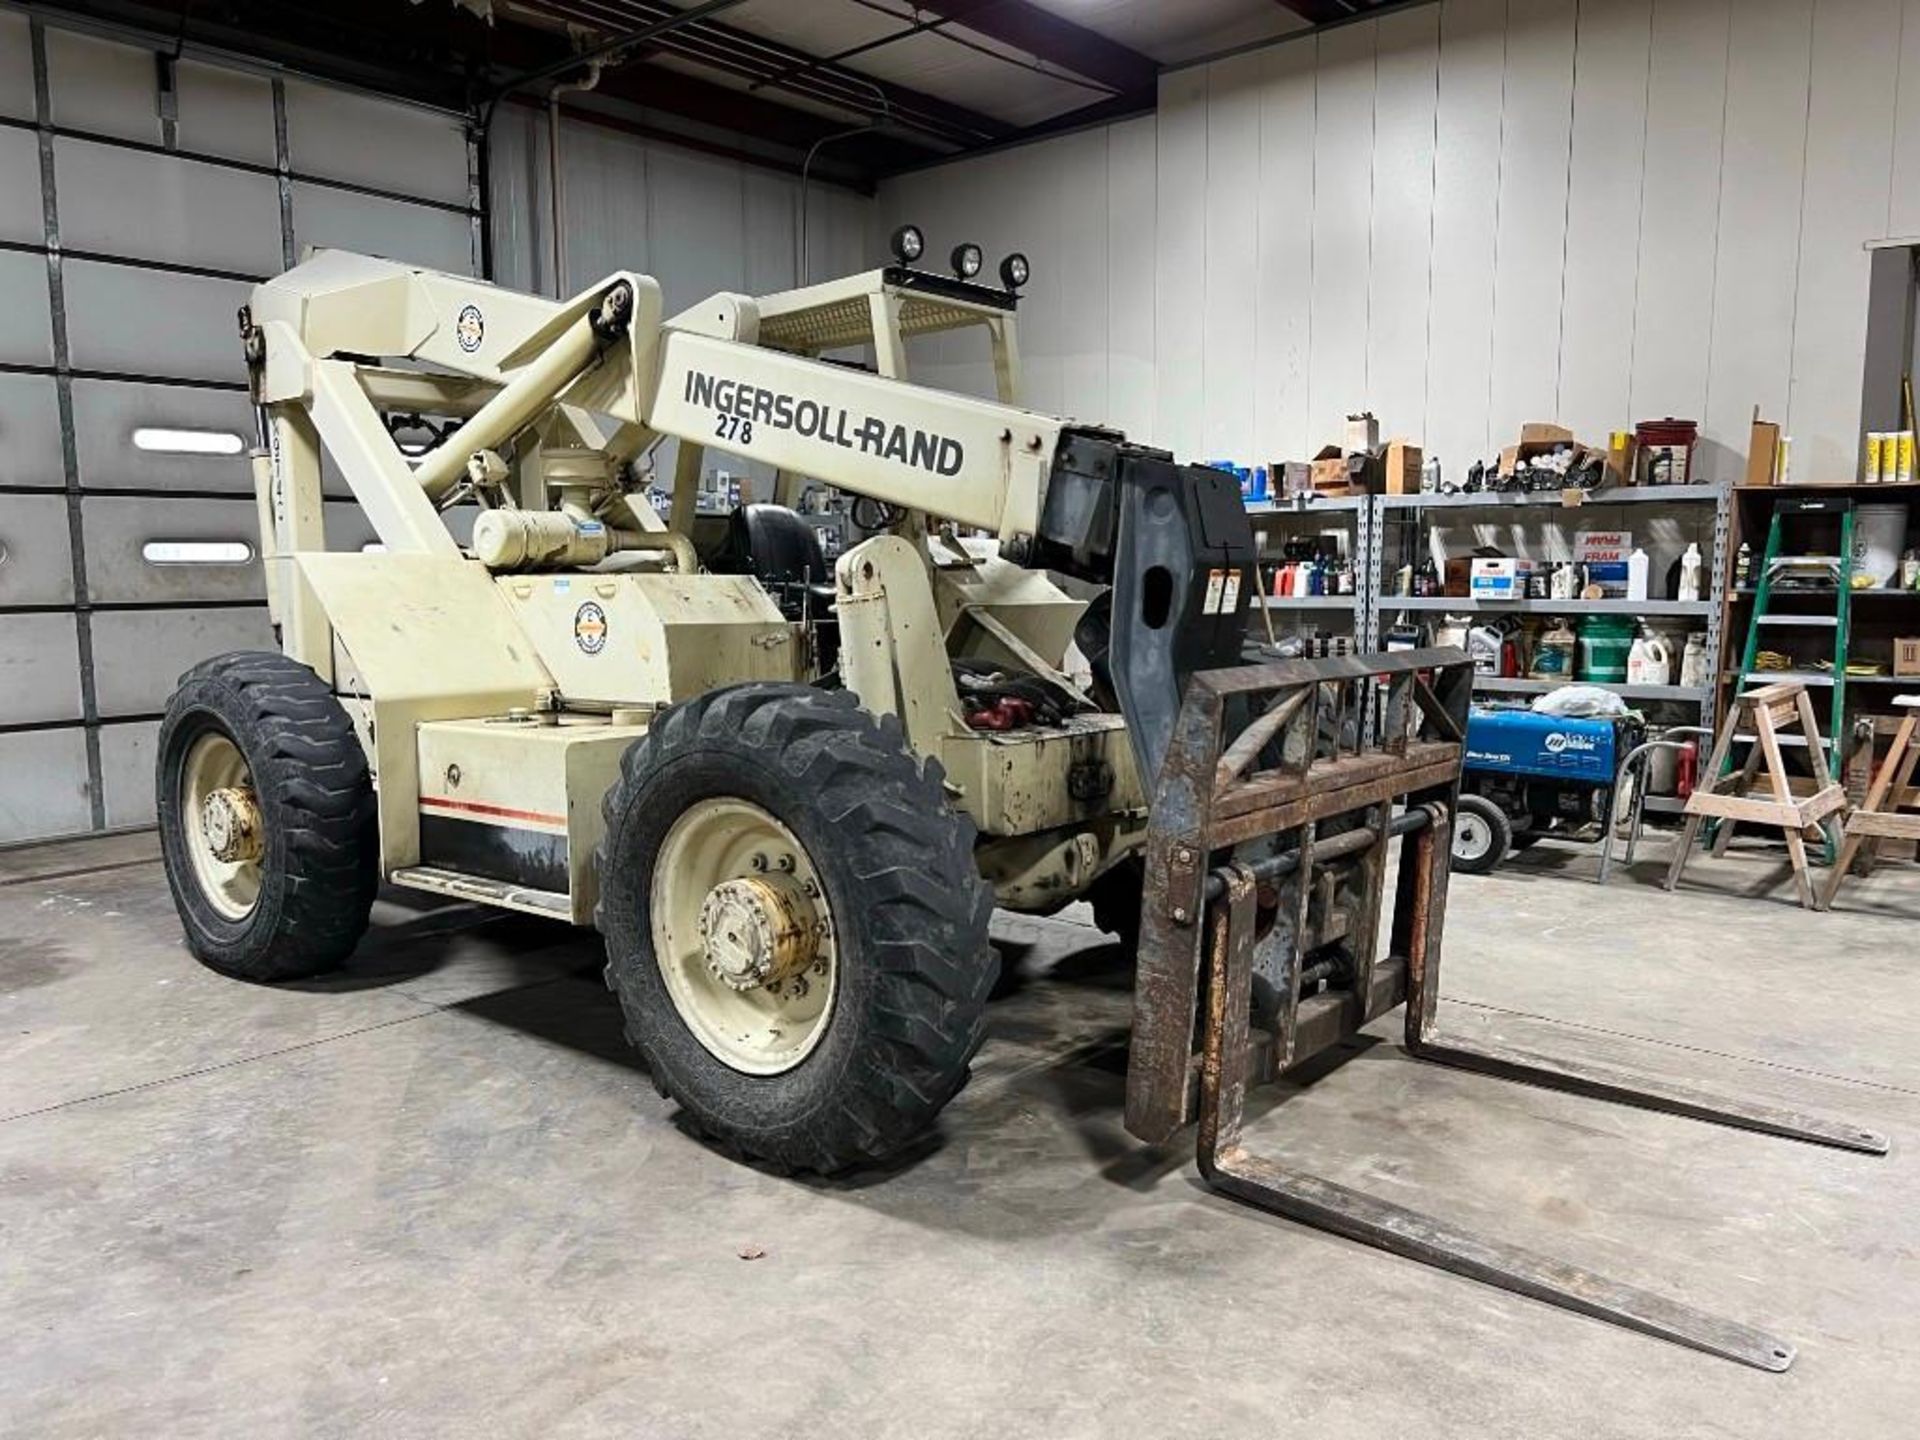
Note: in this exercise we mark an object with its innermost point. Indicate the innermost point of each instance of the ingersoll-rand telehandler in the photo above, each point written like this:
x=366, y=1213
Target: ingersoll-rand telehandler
x=788, y=795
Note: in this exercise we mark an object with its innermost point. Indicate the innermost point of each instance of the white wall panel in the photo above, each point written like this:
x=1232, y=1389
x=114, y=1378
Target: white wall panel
x=36, y=557
x=346, y=220
x=190, y=212
x=382, y=143
x=139, y=655
x=1608, y=155
x=21, y=214
x=1849, y=160
x=609, y=225
x=26, y=330
x=1180, y=274
x=128, y=752
x=1342, y=230
x=1132, y=231
x=1466, y=192
x=1075, y=251
x=1283, y=280
x=39, y=668
x=29, y=432
x=1680, y=208
x=695, y=218
x=125, y=319
x=1232, y=254
x=106, y=413
x=103, y=86
x=16, y=68
x=1406, y=79
x=1903, y=201
x=1757, y=271
x=225, y=112
x=43, y=783
x=1628, y=214
x=118, y=528
x=1530, y=247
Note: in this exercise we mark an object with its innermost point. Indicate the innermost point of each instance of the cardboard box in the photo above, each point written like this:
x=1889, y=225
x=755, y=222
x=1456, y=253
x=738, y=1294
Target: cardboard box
x=1403, y=463
x=1604, y=554
x=1290, y=478
x=1457, y=578
x=1763, y=452
x=1363, y=433
x=1906, y=655
x=1335, y=473
x=1499, y=579
x=1538, y=438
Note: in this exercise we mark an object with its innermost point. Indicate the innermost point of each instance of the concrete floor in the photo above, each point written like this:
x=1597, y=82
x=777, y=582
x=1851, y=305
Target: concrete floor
x=435, y=1197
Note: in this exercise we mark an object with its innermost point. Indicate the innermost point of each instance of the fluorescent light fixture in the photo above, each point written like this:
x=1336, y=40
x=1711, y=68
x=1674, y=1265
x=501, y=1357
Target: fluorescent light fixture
x=187, y=442
x=196, y=552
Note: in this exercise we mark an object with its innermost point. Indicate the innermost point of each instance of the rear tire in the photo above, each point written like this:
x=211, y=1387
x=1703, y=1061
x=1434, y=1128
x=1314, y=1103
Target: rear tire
x=745, y=786
x=1482, y=835
x=267, y=729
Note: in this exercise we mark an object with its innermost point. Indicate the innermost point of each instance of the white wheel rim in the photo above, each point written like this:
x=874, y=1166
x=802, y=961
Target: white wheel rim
x=769, y=1028
x=1472, y=836
x=215, y=763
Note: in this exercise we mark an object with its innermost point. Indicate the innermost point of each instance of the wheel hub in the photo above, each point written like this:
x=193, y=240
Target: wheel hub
x=230, y=820
x=758, y=930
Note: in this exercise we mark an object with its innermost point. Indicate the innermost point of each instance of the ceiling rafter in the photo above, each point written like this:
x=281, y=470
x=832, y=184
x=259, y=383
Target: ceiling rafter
x=1050, y=37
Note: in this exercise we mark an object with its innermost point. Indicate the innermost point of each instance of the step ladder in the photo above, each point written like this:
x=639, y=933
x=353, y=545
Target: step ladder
x=1834, y=570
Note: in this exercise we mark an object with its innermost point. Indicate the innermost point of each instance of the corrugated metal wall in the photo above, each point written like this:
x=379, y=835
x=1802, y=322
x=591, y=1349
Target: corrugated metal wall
x=132, y=224
x=1466, y=216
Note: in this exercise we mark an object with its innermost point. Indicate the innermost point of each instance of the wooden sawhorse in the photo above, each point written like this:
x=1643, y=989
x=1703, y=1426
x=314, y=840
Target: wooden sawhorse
x=1880, y=818
x=1769, y=710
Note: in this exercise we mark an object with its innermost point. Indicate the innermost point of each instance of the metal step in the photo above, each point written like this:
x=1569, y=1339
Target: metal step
x=1828, y=622
x=1780, y=677
x=484, y=891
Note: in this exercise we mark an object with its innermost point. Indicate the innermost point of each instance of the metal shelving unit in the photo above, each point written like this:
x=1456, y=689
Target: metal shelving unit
x=1371, y=516
x=1358, y=510
x=1464, y=605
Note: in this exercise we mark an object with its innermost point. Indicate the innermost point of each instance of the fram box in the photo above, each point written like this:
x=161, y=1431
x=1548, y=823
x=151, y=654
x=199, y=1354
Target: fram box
x=1604, y=555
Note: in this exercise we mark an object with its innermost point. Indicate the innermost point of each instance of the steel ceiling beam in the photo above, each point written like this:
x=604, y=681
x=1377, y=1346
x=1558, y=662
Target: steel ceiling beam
x=1324, y=12
x=781, y=67
x=1048, y=37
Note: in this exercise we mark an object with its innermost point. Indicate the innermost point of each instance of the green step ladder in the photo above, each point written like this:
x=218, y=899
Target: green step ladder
x=1836, y=570
x=1833, y=570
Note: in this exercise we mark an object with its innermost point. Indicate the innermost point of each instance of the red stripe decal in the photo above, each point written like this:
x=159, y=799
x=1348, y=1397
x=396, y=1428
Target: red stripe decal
x=501, y=812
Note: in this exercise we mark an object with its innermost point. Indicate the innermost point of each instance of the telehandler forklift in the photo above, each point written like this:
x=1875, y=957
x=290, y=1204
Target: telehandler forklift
x=790, y=797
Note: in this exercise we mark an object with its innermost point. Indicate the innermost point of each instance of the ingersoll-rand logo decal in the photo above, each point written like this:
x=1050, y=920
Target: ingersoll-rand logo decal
x=590, y=628
x=740, y=409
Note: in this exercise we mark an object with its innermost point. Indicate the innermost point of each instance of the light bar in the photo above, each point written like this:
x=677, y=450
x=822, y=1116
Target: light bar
x=187, y=442
x=196, y=552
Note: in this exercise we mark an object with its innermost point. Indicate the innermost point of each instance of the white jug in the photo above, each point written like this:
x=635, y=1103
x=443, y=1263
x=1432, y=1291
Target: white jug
x=1649, y=662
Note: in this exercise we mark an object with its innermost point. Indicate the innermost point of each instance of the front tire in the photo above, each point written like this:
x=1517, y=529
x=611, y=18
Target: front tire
x=795, y=926
x=267, y=821
x=1481, y=835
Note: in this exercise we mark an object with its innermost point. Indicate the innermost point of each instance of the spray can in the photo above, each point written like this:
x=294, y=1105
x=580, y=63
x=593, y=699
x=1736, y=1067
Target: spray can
x=1870, y=468
x=1904, y=468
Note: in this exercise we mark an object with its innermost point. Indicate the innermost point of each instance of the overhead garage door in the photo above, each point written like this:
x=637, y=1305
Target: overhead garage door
x=139, y=200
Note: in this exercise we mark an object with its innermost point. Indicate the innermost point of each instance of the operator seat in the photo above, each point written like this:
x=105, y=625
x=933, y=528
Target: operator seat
x=782, y=551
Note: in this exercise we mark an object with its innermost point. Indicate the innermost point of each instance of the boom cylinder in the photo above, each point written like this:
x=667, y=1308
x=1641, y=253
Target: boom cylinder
x=528, y=395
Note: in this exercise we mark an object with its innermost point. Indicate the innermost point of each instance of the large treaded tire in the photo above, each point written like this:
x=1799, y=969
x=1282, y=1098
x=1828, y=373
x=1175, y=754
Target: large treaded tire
x=320, y=871
x=909, y=908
